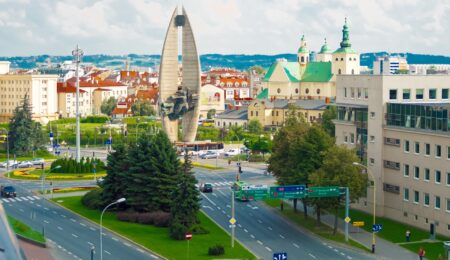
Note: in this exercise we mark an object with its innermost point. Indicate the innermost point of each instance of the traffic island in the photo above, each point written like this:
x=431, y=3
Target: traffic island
x=27, y=234
x=35, y=174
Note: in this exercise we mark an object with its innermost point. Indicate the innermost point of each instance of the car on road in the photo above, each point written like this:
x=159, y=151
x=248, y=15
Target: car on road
x=206, y=187
x=38, y=161
x=209, y=155
x=12, y=164
x=25, y=164
x=232, y=152
x=8, y=191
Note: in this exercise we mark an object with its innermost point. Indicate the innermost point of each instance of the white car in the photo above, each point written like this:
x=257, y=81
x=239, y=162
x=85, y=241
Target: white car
x=12, y=164
x=38, y=161
x=210, y=155
x=232, y=152
x=25, y=164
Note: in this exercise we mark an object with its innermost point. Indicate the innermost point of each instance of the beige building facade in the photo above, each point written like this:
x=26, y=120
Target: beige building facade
x=400, y=126
x=41, y=90
x=211, y=97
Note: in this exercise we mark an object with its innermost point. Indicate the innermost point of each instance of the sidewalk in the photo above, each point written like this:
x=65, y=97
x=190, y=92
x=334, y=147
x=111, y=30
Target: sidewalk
x=384, y=249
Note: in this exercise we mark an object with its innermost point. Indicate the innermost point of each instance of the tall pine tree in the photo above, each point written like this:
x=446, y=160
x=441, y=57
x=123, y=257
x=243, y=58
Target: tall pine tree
x=21, y=129
x=115, y=182
x=185, y=201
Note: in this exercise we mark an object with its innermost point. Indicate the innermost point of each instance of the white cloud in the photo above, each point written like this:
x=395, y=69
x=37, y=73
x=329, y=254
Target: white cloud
x=222, y=26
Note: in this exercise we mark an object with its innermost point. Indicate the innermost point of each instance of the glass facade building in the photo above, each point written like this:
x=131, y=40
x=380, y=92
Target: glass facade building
x=357, y=116
x=426, y=116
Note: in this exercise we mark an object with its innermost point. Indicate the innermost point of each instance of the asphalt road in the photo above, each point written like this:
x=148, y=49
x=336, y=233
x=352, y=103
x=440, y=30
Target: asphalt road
x=70, y=234
x=261, y=229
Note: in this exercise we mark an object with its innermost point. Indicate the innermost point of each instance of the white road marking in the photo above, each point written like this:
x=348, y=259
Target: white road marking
x=208, y=207
x=82, y=224
x=252, y=236
x=228, y=206
x=259, y=221
x=54, y=212
x=239, y=225
x=90, y=243
x=115, y=239
x=221, y=193
x=218, y=208
x=46, y=208
x=245, y=230
x=335, y=250
x=349, y=257
x=69, y=253
x=154, y=256
x=31, y=198
x=37, y=204
x=297, y=246
x=269, y=228
x=46, y=222
x=91, y=228
x=5, y=200
x=75, y=236
x=60, y=228
x=282, y=236
x=330, y=247
x=31, y=202
x=63, y=216
x=18, y=199
x=311, y=255
x=21, y=210
x=73, y=220
x=11, y=199
x=342, y=254
x=107, y=252
x=223, y=211
x=268, y=249
x=125, y=243
x=214, y=195
x=36, y=197
x=228, y=216
x=140, y=250
x=259, y=242
x=25, y=198
x=212, y=202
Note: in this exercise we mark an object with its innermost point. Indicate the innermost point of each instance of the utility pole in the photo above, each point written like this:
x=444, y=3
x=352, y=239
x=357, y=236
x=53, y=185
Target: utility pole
x=347, y=203
x=77, y=54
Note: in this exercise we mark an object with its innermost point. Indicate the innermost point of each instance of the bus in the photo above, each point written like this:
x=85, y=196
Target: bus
x=240, y=189
x=200, y=147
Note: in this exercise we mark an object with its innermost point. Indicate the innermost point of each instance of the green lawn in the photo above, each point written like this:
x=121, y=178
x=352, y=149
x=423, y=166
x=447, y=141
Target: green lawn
x=432, y=250
x=39, y=154
x=25, y=231
x=36, y=175
x=158, y=240
x=310, y=224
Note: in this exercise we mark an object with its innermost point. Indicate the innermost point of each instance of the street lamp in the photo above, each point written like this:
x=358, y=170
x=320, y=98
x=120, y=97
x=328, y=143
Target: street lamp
x=43, y=176
x=374, y=201
x=7, y=150
x=101, y=221
x=77, y=54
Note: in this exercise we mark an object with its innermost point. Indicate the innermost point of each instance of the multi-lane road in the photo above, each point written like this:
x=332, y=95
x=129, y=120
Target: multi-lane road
x=261, y=229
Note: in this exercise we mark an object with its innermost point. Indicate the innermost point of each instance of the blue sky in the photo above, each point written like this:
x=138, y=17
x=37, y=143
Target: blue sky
x=30, y=27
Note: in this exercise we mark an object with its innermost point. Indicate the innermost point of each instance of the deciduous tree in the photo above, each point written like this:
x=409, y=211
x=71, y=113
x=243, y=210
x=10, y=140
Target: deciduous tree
x=108, y=106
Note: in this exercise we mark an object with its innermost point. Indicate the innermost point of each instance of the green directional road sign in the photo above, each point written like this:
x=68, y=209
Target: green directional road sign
x=319, y=192
x=257, y=194
x=288, y=192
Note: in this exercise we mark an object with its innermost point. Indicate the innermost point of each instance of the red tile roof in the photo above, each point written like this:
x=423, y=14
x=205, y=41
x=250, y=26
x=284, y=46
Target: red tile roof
x=95, y=83
x=65, y=88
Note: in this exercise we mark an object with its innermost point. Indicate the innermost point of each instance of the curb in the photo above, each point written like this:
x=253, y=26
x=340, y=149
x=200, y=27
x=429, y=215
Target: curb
x=112, y=231
x=257, y=257
x=32, y=241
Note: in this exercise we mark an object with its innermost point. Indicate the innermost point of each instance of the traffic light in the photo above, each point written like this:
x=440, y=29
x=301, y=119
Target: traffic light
x=240, y=169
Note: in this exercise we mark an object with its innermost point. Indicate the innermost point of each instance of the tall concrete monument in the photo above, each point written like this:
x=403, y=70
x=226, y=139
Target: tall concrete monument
x=179, y=101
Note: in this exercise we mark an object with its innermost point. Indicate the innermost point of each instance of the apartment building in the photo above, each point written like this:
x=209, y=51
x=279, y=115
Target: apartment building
x=400, y=126
x=41, y=90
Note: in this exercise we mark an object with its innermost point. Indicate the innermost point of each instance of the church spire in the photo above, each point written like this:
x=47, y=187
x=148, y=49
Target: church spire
x=345, y=43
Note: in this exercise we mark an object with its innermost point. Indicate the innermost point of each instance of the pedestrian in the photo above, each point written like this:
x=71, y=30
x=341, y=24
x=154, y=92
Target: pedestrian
x=408, y=235
x=421, y=253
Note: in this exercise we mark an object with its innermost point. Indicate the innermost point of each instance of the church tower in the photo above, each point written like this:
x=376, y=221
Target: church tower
x=303, y=52
x=325, y=53
x=345, y=60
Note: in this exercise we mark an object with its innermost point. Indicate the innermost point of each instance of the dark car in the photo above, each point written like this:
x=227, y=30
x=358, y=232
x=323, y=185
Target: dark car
x=8, y=191
x=206, y=187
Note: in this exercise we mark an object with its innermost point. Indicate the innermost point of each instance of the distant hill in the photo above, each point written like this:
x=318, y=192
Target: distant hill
x=237, y=61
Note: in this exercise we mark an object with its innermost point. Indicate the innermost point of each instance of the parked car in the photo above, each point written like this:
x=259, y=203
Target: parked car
x=245, y=150
x=8, y=191
x=206, y=187
x=12, y=164
x=38, y=161
x=232, y=152
x=25, y=164
x=209, y=155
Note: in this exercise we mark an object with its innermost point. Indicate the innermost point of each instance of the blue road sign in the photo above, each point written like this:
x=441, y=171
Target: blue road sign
x=377, y=227
x=280, y=256
x=50, y=134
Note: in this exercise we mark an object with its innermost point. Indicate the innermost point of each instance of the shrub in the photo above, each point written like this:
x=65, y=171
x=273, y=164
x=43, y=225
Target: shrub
x=161, y=219
x=95, y=119
x=93, y=199
x=129, y=216
x=199, y=230
x=177, y=230
x=145, y=218
x=216, y=250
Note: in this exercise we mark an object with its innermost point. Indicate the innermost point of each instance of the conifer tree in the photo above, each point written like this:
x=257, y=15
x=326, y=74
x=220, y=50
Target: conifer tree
x=21, y=129
x=115, y=182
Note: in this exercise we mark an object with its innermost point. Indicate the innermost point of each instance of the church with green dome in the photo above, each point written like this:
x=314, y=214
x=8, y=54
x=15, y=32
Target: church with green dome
x=312, y=76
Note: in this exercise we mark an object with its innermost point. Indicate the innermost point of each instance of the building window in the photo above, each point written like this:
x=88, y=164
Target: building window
x=419, y=93
x=406, y=146
x=359, y=92
x=352, y=92
x=353, y=71
x=279, y=91
x=438, y=151
x=318, y=91
x=372, y=114
x=345, y=92
x=366, y=93
x=391, y=165
x=426, y=199
x=273, y=113
x=389, y=141
x=416, y=197
x=416, y=172
x=307, y=91
x=448, y=152
x=251, y=113
x=296, y=91
x=432, y=93
x=417, y=147
x=339, y=71
x=426, y=174
x=392, y=94
x=445, y=93
x=437, y=202
x=352, y=138
x=276, y=113
x=372, y=138
x=372, y=161
x=427, y=149
x=345, y=138
x=437, y=176
x=448, y=178
x=406, y=170
x=256, y=112
x=405, y=194
x=406, y=94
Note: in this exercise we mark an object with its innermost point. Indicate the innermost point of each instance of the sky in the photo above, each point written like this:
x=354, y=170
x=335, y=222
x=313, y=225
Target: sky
x=119, y=27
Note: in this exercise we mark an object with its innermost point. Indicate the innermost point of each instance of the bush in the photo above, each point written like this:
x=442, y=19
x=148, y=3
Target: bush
x=95, y=119
x=69, y=165
x=177, y=231
x=93, y=199
x=146, y=218
x=216, y=250
x=161, y=219
x=199, y=230
x=128, y=216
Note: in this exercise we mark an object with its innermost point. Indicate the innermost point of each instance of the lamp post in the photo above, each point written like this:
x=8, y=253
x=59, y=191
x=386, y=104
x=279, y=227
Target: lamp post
x=101, y=221
x=7, y=150
x=374, y=201
x=43, y=176
x=77, y=54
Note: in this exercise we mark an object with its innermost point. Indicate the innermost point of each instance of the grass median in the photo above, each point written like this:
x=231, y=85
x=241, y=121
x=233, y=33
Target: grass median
x=310, y=224
x=395, y=231
x=25, y=231
x=157, y=239
x=35, y=174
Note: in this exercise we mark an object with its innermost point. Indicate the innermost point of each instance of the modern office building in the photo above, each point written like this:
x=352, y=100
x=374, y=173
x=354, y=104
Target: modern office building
x=390, y=65
x=400, y=127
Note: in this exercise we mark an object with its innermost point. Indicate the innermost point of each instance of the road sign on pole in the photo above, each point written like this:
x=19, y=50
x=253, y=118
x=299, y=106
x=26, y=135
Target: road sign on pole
x=188, y=236
x=377, y=228
x=280, y=256
x=319, y=192
x=347, y=219
x=287, y=192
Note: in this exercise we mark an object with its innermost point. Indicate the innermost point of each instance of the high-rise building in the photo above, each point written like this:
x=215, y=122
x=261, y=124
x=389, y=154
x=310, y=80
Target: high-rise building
x=390, y=65
x=400, y=127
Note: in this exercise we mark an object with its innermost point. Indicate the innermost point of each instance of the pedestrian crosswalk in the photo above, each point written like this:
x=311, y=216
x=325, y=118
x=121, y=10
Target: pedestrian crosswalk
x=17, y=199
x=218, y=184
